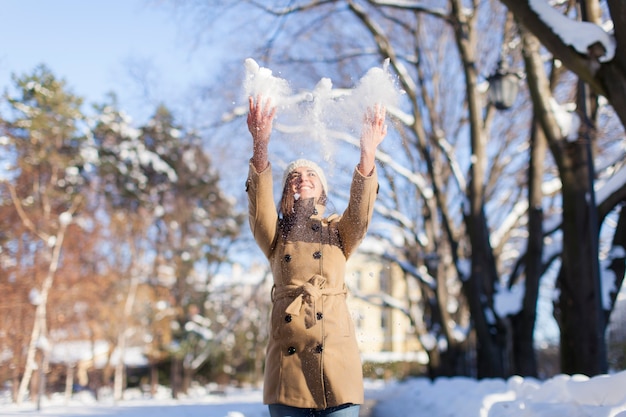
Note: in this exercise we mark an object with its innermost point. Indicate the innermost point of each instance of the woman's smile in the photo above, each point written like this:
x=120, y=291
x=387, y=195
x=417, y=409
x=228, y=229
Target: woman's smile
x=305, y=183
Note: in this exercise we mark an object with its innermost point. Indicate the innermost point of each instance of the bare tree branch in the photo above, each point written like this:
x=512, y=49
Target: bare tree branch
x=25, y=219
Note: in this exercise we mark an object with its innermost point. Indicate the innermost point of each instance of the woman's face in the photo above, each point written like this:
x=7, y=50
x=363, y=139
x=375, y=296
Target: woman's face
x=305, y=183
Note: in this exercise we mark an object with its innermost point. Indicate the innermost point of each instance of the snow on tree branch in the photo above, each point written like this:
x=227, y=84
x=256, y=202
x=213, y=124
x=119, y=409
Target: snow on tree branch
x=580, y=35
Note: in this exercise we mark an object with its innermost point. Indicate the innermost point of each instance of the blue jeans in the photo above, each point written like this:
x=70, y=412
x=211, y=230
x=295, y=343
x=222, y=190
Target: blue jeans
x=346, y=410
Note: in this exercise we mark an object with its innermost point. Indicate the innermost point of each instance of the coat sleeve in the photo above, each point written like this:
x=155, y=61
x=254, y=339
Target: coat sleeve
x=262, y=213
x=356, y=218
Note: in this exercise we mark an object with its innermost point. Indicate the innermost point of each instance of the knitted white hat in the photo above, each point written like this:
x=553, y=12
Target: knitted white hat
x=309, y=164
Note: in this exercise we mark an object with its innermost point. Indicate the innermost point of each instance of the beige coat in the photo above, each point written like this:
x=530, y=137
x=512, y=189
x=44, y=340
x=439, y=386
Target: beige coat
x=312, y=358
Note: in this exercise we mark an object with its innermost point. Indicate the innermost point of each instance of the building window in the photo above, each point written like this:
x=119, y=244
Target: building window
x=385, y=281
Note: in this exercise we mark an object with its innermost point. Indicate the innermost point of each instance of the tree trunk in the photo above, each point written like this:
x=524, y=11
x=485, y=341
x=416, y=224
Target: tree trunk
x=69, y=382
x=154, y=378
x=479, y=286
x=43, y=371
x=579, y=308
x=31, y=354
x=15, y=382
x=118, y=375
x=39, y=331
x=175, y=376
x=618, y=257
x=524, y=358
x=119, y=382
x=434, y=364
x=33, y=382
x=523, y=323
x=187, y=378
x=490, y=337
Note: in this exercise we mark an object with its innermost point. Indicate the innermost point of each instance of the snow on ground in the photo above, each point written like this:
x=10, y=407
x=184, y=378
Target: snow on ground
x=199, y=403
x=562, y=395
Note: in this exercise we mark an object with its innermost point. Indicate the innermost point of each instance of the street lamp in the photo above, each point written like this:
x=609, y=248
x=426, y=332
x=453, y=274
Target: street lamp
x=503, y=86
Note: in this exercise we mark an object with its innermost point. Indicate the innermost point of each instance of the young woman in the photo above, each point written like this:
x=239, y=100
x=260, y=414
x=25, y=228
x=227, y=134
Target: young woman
x=313, y=365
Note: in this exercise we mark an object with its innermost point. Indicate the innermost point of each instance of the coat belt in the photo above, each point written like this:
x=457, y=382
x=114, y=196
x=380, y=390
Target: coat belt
x=305, y=294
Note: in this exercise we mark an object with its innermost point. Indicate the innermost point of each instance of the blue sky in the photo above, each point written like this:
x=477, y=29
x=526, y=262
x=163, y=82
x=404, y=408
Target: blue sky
x=93, y=44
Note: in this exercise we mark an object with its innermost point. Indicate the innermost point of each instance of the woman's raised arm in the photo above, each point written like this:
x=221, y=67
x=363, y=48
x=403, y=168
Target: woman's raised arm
x=374, y=131
x=260, y=120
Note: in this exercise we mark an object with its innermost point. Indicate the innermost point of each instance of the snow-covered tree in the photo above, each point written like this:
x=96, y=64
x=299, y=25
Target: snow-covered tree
x=95, y=213
x=43, y=190
x=586, y=37
x=164, y=198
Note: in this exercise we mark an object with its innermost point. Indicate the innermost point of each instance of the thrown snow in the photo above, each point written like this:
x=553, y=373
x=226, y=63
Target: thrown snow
x=324, y=113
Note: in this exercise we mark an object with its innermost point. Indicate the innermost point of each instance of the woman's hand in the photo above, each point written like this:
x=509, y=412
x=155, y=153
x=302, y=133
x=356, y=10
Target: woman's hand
x=374, y=131
x=260, y=120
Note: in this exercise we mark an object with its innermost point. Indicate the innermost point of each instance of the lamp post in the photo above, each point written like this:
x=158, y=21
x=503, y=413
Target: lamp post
x=503, y=87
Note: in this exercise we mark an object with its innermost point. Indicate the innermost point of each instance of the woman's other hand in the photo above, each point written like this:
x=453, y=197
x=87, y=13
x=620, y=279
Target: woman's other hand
x=374, y=131
x=260, y=119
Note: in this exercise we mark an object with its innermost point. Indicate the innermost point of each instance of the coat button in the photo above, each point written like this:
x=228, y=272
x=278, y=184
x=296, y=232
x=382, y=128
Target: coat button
x=288, y=318
x=315, y=227
x=320, y=316
x=317, y=255
x=319, y=348
x=287, y=258
x=291, y=350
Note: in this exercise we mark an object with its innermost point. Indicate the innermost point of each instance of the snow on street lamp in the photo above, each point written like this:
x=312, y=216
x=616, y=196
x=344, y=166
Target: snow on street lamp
x=503, y=87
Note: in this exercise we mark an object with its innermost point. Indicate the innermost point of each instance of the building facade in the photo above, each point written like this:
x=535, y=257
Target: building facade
x=378, y=301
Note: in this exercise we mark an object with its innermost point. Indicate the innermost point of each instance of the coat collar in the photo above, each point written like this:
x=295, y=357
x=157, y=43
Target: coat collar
x=306, y=208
